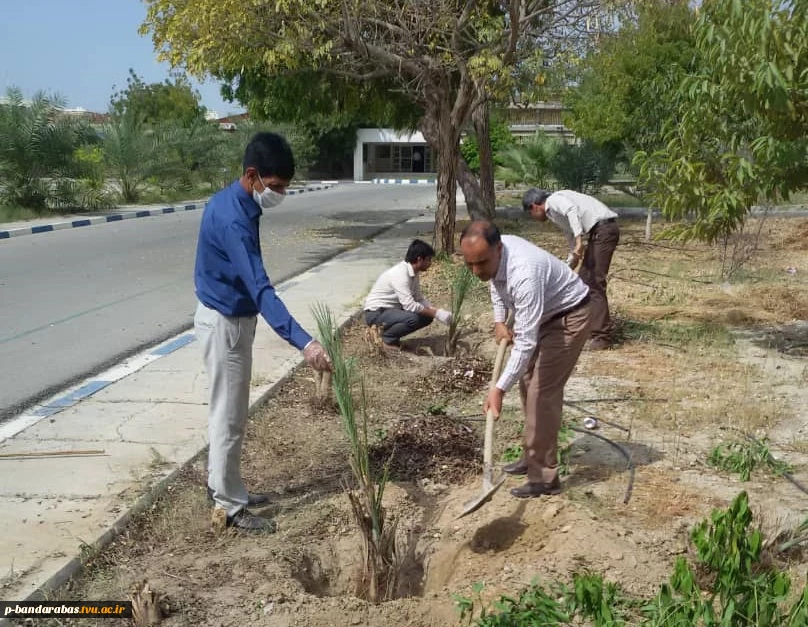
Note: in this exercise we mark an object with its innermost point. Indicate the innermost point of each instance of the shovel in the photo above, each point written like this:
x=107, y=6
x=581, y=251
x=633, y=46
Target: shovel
x=489, y=486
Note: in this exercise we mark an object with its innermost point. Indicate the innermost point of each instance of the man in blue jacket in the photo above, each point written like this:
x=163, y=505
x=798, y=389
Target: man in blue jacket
x=233, y=288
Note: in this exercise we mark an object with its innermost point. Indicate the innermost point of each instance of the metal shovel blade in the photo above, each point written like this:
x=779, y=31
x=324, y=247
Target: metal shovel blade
x=489, y=485
x=489, y=489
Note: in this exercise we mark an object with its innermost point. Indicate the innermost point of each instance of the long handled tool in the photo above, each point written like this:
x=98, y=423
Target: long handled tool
x=489, y=485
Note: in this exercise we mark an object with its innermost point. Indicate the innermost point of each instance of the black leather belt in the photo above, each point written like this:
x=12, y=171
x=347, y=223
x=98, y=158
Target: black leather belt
x=575, y=307
x=599, y=222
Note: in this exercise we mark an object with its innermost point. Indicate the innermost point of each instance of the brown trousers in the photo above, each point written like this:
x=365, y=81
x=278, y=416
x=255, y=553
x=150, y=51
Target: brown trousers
x=542, y=389
x=603, y=239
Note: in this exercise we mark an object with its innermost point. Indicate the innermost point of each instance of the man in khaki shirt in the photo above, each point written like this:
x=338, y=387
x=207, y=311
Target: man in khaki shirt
x=577, y=215
x=396, y=303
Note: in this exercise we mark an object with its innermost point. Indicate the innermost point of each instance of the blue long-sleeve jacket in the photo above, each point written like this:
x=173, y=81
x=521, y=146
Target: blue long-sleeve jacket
x=229, y=275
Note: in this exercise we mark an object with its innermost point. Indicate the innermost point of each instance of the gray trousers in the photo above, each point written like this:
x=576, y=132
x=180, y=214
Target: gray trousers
x=396, y=323
x=227, y=348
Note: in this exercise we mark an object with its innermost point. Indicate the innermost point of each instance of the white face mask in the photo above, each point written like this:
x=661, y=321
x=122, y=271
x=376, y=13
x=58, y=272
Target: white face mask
x=267, y=199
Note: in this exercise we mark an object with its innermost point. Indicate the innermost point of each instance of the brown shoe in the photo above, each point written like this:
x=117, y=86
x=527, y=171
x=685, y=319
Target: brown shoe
x=531, y=490
x=518, y=467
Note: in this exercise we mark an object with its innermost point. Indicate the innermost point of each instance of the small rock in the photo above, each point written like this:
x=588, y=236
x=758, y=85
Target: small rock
x=566, y=528
x=268, y=607
x=507, y=568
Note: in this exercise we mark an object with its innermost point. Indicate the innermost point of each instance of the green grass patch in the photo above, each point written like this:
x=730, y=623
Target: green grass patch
x=15, y=214
x=679, y=334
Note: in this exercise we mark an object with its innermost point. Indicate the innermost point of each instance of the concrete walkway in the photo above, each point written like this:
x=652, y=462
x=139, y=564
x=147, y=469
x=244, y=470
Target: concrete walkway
x=138, y=424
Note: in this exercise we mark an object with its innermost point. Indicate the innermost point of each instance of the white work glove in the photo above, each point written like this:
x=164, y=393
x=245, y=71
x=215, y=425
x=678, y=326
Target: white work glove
x=441, y=315
x=316, y=357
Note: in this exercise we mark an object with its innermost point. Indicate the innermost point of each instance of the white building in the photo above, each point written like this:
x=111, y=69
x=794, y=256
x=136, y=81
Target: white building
x=385, y=153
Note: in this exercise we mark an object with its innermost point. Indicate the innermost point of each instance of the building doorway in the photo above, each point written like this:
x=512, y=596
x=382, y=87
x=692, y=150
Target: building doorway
x=418, y=158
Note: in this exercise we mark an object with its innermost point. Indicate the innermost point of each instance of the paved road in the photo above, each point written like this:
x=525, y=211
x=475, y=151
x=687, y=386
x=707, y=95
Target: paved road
x=73, y=302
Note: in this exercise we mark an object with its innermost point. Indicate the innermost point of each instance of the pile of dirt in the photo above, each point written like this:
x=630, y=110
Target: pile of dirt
x=461, y=374
x=435, y=448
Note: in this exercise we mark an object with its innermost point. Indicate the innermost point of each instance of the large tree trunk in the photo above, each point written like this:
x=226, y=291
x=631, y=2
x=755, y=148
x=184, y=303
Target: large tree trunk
x=448, y=154
x=481, y=118
x=468, y=181
x=471, y=190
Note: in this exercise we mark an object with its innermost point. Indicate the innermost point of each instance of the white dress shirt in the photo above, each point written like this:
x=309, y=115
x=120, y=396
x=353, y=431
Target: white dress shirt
x=536, y=286
x=397, y=288
x=575, y=213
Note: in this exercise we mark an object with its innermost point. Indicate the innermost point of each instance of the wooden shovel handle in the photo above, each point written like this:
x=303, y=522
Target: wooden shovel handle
x=488, y=443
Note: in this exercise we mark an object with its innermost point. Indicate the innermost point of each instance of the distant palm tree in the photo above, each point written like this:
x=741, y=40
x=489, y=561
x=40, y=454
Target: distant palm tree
x=130, y=154
x=37, y=146
x=527, y=163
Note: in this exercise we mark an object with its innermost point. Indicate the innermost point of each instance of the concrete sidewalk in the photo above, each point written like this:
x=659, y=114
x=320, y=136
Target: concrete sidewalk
x=146, y=418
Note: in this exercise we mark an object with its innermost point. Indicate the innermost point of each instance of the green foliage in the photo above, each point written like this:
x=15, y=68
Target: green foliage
x=320, y=102
x=734, y=588
x=152, y=104
x=461, y=284
x=500, y=135
x=378, y=530
x=744, y=456
x=39, y=146
x=740, y=132
x=535, y=606
x=742, y=590
x=582, y=167
x=512, y=454
x=128, y=151
x=702, y=334
x=527, y=163
x=601, y=602
x=565, y=438
x=624, y=93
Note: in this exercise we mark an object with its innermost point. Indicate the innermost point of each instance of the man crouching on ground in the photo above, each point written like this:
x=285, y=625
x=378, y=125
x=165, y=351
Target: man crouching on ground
x=396, y=304
x=550, y=306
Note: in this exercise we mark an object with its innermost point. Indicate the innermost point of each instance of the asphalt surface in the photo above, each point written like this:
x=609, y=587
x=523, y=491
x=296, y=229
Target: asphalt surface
x=79, y=300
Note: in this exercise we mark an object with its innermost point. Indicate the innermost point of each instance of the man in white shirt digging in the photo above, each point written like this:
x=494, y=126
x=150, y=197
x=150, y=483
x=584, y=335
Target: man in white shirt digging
x=578, y=215
x=550, y=306
x=396, y=303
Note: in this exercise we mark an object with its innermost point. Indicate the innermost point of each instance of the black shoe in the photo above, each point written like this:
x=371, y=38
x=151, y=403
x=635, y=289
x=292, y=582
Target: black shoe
x=253, y=499
x=518, y=467
x=530, y=490
x=250, y=523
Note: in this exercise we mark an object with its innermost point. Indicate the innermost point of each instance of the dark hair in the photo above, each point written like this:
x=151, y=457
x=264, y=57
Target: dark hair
x=482, y=228
x=534, y=196
x=419, y=250
x=271, y=155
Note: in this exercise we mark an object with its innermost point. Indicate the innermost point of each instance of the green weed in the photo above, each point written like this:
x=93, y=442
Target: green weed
x=734, y=587
x=744, y=456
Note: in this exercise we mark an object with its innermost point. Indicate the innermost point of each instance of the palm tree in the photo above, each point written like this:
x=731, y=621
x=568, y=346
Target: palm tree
x=527, y=163
x=130, y=151
x=37, y=146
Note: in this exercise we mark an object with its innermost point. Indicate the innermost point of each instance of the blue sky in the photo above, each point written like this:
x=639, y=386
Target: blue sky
x=80, y=49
